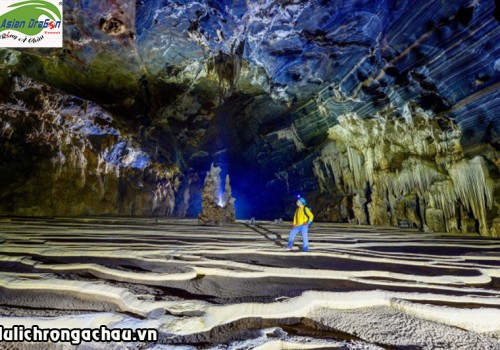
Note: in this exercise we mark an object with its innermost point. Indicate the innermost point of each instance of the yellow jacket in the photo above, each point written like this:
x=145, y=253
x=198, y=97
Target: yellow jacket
x=300, y=217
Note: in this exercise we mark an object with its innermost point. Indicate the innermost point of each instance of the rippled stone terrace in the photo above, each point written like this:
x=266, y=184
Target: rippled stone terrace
x=236, y=287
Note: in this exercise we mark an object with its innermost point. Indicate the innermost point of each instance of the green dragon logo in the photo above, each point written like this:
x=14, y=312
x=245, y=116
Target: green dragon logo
x=24, y=17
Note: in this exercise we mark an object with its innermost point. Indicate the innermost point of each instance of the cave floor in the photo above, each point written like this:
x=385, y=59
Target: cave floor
x=236, y=287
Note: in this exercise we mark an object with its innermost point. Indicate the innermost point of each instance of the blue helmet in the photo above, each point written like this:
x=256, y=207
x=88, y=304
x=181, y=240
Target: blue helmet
x=303, y=200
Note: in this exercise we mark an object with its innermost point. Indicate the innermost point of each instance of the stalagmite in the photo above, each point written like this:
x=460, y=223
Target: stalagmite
x=228, y=202
x=217, y=207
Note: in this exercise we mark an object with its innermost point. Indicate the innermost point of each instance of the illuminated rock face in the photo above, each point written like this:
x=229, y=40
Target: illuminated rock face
x=380, y=112
x=64, y=156
x=409, y=170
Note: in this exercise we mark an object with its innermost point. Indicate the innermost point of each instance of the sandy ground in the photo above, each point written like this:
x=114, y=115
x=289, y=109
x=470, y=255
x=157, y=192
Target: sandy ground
x=236, y=287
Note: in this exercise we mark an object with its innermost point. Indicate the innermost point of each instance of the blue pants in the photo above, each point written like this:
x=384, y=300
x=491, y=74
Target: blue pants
x=303, y=229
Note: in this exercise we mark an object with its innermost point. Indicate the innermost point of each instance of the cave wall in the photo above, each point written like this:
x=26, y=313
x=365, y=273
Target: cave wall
x=63, y=156
x=380, y=112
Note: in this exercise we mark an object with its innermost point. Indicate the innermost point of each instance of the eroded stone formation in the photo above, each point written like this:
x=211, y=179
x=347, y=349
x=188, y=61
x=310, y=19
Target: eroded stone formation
x=407, y=171
x=217, y=207
x=235, y=288
x=62, y=155
x=380, y=112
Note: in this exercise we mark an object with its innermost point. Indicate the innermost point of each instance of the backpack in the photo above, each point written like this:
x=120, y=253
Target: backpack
x=307, y=216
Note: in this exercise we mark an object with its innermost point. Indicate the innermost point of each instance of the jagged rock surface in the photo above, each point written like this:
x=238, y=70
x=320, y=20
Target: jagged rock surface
x=379, y=112
x=63, y=155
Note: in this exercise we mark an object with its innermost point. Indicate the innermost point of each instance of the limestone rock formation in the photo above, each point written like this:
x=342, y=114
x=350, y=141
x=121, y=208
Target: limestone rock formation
x=62, y=155
x=380, y=112
x=217, y=207
x=413, y=170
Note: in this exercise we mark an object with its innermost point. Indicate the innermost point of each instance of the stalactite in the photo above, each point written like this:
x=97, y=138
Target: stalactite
x=227, y=70
x=474, y=188
x=331, y=159
x=444, y=197
x=322, y=181
x=356, y=165
x=400, y=159
x=415, y=176
x=369, y=164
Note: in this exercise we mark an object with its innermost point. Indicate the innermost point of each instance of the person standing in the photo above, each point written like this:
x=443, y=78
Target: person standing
x=301, y=220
